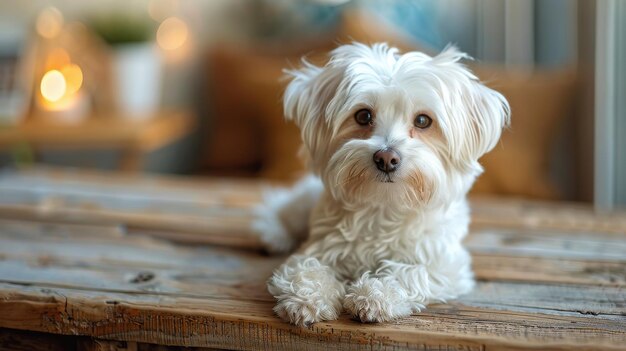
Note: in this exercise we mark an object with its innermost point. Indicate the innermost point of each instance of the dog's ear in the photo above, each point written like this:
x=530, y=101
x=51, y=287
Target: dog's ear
x=306, y=102
x=308, y=93
x=477, y=112
x=489, y=113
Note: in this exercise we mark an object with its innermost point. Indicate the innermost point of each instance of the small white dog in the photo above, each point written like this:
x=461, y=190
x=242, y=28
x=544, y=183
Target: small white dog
x=393, y=142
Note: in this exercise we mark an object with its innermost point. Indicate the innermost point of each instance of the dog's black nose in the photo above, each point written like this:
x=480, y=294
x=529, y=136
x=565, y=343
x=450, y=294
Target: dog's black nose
x=387, y=160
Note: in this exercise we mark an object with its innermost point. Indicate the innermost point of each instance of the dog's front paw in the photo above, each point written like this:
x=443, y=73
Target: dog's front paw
x=307, y=291
x=304, y=313
x=374, y=300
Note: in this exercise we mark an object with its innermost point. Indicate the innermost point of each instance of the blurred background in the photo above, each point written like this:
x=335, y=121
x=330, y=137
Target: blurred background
x=193, y=87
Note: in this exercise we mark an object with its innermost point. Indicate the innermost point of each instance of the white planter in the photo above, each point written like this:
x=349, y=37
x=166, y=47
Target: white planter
x=138, y=72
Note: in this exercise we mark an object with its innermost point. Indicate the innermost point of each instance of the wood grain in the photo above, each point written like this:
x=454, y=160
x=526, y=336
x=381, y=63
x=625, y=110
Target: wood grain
x=104, y=282
x=198, y=211
x=219, y=211
x=245, y=324
x=116, y=285
x=555, y=216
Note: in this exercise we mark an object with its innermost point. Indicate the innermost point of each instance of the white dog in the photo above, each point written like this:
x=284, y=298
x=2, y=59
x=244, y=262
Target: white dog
x=393, y=142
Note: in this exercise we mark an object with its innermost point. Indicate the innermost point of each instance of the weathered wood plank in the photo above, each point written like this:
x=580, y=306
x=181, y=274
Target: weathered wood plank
x=143, y=265
x=95, y=263
x=536, y=215
x=600, y=302
x=217, y=211
x=86, y=272
x=497, y=255
x=214, y=227
x=251, y=324
x=537, y=243
x=159, y=204
x=99, y=182
x=548, y=269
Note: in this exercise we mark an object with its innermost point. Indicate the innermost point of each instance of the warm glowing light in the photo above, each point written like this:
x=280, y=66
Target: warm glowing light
x=49, y=22
x=73, y=77
x=53, y=86
x=57, y=58
x=172, y=33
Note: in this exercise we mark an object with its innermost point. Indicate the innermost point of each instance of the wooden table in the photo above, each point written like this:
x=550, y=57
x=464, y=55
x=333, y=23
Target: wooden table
x=134, y=137
x=115, y=262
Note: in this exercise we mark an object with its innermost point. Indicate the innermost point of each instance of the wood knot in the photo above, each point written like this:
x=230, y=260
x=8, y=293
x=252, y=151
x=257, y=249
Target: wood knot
x=142, y=277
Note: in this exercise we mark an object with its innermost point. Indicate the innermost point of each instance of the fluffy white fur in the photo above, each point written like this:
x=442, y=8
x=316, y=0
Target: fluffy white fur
x=380, y=246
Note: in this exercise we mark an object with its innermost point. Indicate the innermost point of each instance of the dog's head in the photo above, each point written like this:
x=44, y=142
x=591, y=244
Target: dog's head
x=381, y=127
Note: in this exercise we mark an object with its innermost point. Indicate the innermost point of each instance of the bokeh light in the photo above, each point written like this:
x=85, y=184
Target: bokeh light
x=172, y=33
x=49, y=22
x=73, y=77
x=53, y=86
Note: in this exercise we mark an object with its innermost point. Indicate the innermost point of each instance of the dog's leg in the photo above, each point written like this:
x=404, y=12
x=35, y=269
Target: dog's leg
x=398, y=289
x=306, y=290
x=282, y=219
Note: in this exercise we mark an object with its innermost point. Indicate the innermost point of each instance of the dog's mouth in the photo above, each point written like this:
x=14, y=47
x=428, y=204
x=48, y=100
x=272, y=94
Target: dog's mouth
x=384, y=178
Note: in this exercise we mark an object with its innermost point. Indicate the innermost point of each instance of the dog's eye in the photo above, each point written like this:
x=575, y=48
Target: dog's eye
x=422, y=121
x=363, y=117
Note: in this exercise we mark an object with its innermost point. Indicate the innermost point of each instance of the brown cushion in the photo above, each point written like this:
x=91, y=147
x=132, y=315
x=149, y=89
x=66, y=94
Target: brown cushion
x=540, y=101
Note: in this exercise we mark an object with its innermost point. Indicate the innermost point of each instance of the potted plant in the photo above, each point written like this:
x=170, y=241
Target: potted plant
x=136, y=63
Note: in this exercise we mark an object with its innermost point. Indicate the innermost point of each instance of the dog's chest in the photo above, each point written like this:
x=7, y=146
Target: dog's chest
x=359, y=241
